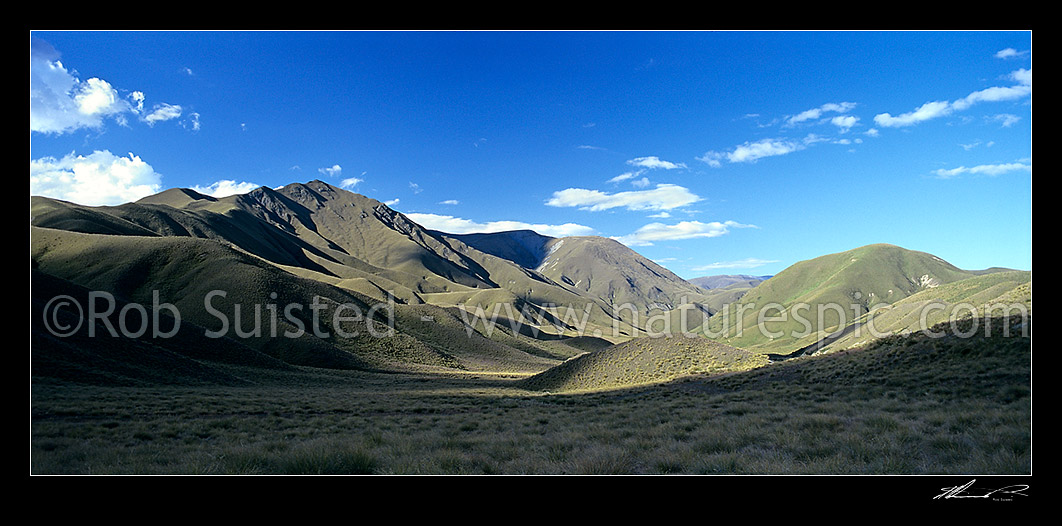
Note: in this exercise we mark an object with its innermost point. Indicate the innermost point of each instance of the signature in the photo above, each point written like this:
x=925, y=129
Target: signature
x=960, y=492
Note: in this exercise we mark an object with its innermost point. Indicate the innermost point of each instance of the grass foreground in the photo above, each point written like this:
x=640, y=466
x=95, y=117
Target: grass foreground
x=904, y=405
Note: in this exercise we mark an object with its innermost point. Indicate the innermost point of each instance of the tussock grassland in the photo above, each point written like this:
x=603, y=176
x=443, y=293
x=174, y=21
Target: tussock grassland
x=642, y=361
x=903, y=405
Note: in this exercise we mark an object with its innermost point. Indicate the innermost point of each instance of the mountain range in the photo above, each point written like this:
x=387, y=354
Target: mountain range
x=517, y=303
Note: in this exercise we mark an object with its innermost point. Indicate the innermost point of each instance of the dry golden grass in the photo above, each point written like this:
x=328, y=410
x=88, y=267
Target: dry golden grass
x=903, y=406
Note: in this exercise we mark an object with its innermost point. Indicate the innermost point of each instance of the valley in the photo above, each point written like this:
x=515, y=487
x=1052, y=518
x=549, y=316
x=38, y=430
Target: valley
x=907, y=407
x=308, y=329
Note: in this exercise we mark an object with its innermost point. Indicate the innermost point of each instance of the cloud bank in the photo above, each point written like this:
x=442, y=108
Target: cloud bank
x=100, y=178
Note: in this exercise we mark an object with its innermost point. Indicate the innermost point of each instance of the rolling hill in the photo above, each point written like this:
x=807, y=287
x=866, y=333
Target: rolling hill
x=643, y=361
x=813, y=298
x=513, y=302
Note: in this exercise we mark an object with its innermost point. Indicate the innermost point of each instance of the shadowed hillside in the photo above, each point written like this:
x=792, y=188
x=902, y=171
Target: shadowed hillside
x=236, y=295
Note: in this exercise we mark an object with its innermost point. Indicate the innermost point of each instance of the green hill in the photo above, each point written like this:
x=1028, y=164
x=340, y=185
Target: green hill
x=815, y=297
x=982, y=297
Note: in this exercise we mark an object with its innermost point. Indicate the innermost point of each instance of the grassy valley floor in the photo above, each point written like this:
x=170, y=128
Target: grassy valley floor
x=904, y=406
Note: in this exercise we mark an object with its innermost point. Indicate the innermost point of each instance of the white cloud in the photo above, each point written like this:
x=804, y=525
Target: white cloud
x=100, y=178
x=392, y=202
x=663, y=197
x=991, y=170
x=192, y=122
x=138, y=98
x=415, y=187
x=225, y=188
x=165, y=112
x=1006, y=119
x=1022, y=76
x=929, y=110
x=654, y=162
x=60, y=102
x=844, y=122
x=932, y=110
x=640, y=183
x=742, y=263
x=457, y=225
x=994, y=94
x=647, y=234
x=349, y=182
x=624, y=176
x=450, y=202
x=1010, y=53
x=815, y=113
x=332, y=171
x=752, y=152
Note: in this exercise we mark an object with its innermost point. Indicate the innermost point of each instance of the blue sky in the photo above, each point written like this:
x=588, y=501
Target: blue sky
x=709, y=152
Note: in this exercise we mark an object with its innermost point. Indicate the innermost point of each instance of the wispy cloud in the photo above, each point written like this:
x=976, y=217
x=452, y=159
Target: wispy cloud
x=332, y=171
x=935, y=109
x=624, y=176
x=450, y=202
x=1010, y=53
x=816, y=113
x=754, y=151
x=457, y=225
x=663, y=197
x=739, y=264
x=192, y=122
x=654, y=163
x=651, y=232
x=1006, y=119
x=991, y=170
x=162, y=112
x=350, y=182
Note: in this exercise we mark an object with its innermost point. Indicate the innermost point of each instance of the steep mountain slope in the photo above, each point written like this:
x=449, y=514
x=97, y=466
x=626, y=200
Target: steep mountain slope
x=575, y=286
x=523, y=247
x=635, y=294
